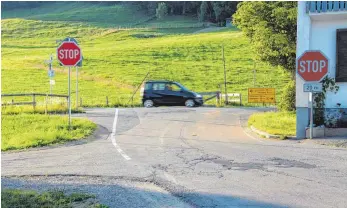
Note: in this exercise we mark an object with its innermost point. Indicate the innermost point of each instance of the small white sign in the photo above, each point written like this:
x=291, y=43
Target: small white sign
x=50, y=73
x=52, y=82
x=313, y=87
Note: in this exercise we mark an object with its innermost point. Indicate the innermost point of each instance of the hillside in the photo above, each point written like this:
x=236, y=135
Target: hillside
x=116, y=60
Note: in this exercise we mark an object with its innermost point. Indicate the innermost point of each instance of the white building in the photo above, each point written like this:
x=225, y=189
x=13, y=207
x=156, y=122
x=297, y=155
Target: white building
x=319, y=24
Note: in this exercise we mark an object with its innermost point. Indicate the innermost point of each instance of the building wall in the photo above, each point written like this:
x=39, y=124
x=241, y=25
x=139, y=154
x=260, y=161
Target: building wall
x=324, y=38
x=318, y=32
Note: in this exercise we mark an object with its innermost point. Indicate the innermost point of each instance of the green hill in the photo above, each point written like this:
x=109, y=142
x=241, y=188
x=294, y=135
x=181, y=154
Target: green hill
x=116, y=60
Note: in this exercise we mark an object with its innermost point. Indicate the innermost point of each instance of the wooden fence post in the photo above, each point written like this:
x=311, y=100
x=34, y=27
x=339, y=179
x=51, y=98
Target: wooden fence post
x=46, y=99
x=240, y=99
x=34, y=102
x=106, y=100
x=81, y=102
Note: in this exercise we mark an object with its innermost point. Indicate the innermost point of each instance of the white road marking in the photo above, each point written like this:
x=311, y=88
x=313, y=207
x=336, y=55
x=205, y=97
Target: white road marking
x=113, y=137
x=244, y=131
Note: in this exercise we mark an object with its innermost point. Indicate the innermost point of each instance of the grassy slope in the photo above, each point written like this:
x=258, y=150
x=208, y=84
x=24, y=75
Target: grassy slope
x=116, y=61
x=91, y=13
x=23, y=131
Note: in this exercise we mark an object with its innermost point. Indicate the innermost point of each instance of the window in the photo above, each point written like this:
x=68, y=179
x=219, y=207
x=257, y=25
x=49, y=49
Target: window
x=148, y=86
x=158, y=86
x=173, y=87
x=341, y=55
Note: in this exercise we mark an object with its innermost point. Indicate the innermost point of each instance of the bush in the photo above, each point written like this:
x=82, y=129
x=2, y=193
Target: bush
x=287, y=102
x=161, y=11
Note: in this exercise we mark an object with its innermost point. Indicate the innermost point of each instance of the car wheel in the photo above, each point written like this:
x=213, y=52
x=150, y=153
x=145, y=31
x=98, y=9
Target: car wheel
x=189, y=103
x=148, y=103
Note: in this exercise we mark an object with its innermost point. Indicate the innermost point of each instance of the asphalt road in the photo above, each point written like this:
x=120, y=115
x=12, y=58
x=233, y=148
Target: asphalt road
x=184, y=157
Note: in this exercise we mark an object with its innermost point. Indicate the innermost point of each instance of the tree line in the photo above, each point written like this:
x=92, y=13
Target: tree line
x=211, y=11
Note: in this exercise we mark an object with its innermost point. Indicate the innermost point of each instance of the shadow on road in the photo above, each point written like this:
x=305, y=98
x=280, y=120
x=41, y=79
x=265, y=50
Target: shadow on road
x=134, y=193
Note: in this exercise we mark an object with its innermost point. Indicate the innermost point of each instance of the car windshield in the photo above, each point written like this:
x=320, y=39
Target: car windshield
x=181, y=86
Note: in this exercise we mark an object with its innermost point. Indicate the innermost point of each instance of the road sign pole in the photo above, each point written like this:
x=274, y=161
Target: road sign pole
x=69, y=55
x=76, y=86
x=69, y=104
x=311, y=115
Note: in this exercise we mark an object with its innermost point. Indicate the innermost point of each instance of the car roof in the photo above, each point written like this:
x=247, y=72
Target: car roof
x=151, y=81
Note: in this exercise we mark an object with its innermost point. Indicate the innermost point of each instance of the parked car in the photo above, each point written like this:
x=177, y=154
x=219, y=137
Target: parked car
x=155, y=93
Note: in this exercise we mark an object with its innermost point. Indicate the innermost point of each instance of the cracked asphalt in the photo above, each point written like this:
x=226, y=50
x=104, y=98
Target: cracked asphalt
x=184, y=157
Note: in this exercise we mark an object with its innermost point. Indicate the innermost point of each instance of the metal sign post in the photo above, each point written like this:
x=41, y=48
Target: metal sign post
x=311, y=88
x=312, y=66
x=69, y=104
x=69, y=54
x=76, y=86
x=311, y=115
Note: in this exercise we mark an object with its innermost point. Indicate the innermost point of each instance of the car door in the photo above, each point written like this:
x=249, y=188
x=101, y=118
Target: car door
x=174, y=94
x=159, y=93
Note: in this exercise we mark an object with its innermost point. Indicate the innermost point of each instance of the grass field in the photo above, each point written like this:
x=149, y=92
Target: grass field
x=11, y=198
x=115, y=61
x=278, y=123
x=34, y=130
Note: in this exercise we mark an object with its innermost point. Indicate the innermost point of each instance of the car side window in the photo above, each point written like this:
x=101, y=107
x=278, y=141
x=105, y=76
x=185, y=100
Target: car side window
x=158, y=86
x=175, y=87
x=148, y=86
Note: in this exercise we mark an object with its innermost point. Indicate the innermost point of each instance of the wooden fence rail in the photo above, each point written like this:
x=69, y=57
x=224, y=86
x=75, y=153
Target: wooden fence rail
x=33, y=95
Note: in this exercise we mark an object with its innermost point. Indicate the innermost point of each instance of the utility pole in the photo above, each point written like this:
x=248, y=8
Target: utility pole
x=254, y=71
x=225, y=78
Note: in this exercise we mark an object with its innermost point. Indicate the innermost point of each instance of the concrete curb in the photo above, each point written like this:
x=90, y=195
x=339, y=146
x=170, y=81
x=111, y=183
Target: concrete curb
x=267, y=135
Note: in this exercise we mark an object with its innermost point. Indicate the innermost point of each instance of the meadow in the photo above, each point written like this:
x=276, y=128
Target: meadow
x=116, y=60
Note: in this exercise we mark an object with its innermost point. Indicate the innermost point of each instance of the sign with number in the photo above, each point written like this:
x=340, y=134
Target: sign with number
x=313, y=87
x=261, y=95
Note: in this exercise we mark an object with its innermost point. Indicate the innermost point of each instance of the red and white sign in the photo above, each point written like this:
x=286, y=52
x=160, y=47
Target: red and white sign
x=312, y=66
x=69, y=53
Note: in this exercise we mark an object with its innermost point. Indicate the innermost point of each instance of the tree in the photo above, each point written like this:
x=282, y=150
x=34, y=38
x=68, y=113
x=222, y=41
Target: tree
x=161, y=11
x=203, y=11
x=271, y=27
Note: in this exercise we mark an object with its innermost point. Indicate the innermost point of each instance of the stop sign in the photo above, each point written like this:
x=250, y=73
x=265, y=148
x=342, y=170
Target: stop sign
x=312, y=66
x=69, y=53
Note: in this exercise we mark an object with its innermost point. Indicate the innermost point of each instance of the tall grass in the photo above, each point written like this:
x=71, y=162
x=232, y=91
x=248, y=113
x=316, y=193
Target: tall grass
x=278, y=123
x=32, y=130
x=31, y=199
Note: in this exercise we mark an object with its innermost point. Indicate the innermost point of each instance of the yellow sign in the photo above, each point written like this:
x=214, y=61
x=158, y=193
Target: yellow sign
x=261, y=95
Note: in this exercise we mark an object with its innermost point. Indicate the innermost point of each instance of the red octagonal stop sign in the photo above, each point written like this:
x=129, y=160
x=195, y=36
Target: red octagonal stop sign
x=69, y=53
x=312, y=66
